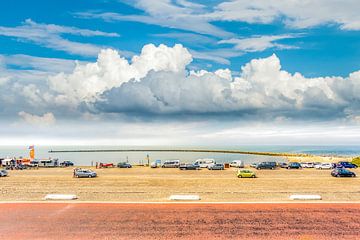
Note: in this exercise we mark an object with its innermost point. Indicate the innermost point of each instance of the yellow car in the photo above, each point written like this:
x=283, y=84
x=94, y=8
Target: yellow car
x=244, y=173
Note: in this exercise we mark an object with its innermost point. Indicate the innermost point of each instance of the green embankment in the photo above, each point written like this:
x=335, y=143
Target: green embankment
x=356, y=161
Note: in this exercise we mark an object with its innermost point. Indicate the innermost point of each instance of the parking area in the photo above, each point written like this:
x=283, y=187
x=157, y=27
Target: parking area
x=144, y=184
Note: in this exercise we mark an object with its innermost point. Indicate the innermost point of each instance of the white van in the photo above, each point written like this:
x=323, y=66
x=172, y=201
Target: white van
x=171, y=164
x=205, y=162
x=237, y=163
x=48, y=163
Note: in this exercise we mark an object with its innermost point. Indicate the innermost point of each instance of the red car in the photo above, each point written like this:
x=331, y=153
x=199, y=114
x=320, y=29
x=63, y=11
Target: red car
x=106, y=165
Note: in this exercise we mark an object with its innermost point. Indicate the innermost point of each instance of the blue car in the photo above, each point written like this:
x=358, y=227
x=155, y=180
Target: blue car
x=294, y=165
x=124, y=165
x=347, y=165
x=342, y=172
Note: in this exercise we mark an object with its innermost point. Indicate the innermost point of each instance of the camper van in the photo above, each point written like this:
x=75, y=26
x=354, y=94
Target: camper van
x=171, y=164
x=48, y=163
x=237, y=163
x=205, y=162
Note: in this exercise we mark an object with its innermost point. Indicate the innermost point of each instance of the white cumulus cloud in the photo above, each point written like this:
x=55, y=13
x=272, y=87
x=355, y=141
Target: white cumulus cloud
x=43, y=120
x=88, y=81
x=158, y=82
x=262, y=89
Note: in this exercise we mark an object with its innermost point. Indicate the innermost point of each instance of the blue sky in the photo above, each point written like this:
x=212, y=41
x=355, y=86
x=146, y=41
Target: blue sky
x=180, y=62
x=321, y=50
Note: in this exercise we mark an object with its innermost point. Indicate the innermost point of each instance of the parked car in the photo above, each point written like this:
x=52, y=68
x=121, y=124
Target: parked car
x=20, y=167
x=348, y=165
x=171, y=164
x=3, y=173
x=34, y=163
x=294, y=165
x=82, y=173
x=66, y=164
x=266, y=165
x=188, y=166
x=216, y=166
x=237, y=163
x=307, y=165
x=245, y=173
x=317, y=163
x=205, y=162
x=337, y=165
x=124, y=165
x=155, y=164
x=323, y=166
x=283, y=165
x=253, y=165
x=106, y=165
x=342, y=172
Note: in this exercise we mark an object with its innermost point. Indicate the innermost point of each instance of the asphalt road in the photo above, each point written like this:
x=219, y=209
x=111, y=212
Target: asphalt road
x=179, y=221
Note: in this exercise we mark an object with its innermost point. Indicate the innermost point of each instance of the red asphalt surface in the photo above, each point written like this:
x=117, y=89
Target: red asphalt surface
x=303, y=221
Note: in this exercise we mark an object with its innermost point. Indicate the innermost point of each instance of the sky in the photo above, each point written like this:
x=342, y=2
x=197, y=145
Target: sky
x=179, y=72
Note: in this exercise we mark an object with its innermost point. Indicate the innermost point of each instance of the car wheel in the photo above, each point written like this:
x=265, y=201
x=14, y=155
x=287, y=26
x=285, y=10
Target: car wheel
x=253, y=176
x=90, y=176
x=337, y=175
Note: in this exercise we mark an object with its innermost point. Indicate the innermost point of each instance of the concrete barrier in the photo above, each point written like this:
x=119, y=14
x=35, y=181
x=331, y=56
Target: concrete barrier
x=60, y=197
x=185, y=197
x=305, y=197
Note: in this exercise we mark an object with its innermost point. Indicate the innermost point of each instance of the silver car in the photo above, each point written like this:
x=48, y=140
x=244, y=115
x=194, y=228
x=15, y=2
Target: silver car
x=84, y=173
x=3, y=173
x=216, y=166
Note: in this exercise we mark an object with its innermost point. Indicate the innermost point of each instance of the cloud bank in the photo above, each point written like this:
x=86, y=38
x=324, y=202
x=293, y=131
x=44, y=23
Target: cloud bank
x=295, y=14
x=198, y=18
x=158, y=83
x=262, y=89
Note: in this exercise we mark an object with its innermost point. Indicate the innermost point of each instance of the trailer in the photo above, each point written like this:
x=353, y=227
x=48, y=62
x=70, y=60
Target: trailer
x=48, y=162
